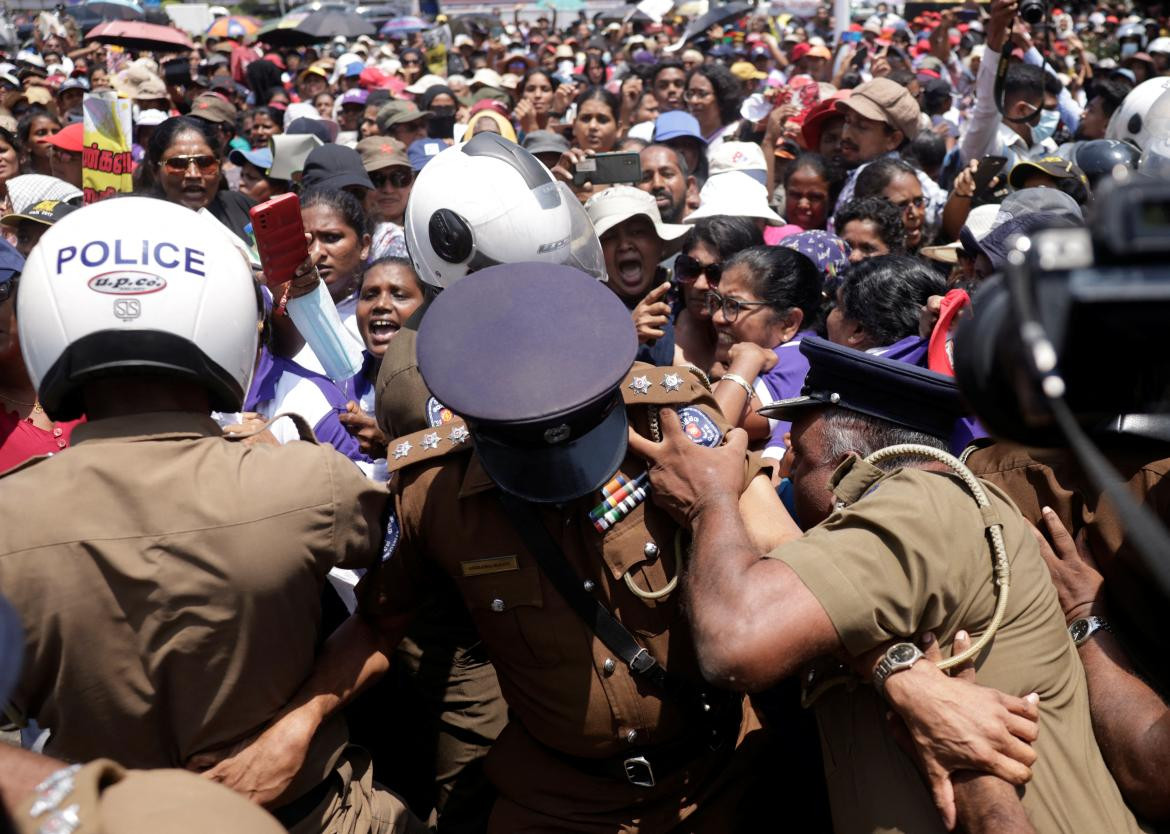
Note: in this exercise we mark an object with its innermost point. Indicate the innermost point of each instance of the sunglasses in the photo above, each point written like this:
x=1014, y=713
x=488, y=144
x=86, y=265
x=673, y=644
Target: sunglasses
x=397, y=178
x=687, y=270
x=181, y=164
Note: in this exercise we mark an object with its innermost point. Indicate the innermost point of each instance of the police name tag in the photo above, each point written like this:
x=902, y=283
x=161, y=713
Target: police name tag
x=483, y=567
x=700, y=428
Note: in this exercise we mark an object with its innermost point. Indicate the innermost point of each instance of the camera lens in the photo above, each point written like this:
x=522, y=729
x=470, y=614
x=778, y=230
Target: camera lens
x=1033, y=11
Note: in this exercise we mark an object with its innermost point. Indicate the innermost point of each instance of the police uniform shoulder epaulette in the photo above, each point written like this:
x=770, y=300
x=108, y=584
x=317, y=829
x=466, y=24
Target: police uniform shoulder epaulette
x=650, y=385
x=428, y=444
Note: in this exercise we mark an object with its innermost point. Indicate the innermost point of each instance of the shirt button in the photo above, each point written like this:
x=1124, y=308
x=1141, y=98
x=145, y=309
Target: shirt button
x=608, y=666
x=60, y=444
x=497, y=605
x=632, y=737
x=651, y=550
x=57, y=432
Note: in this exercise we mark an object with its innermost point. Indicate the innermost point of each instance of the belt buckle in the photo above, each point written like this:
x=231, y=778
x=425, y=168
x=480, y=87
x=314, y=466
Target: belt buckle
x=639, y=772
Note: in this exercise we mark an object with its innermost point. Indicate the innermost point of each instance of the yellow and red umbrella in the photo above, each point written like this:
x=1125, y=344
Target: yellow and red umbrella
x=234, y=26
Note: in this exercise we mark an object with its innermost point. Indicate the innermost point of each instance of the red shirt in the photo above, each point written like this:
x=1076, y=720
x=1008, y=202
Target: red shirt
x=21, y=440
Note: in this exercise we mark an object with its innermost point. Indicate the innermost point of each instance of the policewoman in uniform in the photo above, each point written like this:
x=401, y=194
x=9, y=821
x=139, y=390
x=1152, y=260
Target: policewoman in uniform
x=531, y=505
x=169, y=578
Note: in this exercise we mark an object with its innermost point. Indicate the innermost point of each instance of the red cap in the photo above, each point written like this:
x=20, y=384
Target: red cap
x=372, y=78
x=1111, y=18
x=814, y=119
x=855, y=27
x=928, y=73
x=274, y=58
x=799, y=51
x=922, y=47
x=68, y=138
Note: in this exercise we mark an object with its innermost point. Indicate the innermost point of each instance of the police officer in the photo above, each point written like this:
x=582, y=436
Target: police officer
x=168, y=578
x=893, y=548
x=530, y=504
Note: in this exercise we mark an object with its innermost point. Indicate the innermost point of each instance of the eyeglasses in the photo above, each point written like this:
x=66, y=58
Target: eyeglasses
x=917, y=202
x=181, y=164
x=730, y=306
x=7, y=288
x=397, y=178
x=687, y=270
x=697, y=95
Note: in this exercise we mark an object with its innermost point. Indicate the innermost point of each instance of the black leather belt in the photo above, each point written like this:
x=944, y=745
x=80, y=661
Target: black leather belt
x=644, y=767
x=295, y=811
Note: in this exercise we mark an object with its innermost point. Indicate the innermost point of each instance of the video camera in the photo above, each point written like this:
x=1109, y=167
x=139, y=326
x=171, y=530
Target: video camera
x=1064, y=348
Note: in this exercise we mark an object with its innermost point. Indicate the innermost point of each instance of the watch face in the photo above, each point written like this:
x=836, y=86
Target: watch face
x=1078, y=630
x=902, y=653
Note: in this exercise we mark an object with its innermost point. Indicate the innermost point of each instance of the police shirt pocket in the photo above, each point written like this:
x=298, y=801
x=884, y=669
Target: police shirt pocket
x=508, y=608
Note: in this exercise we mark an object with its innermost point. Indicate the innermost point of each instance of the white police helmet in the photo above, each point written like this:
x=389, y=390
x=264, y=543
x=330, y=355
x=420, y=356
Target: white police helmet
x=489, y=201
x=137, y=287
x=1131, y=122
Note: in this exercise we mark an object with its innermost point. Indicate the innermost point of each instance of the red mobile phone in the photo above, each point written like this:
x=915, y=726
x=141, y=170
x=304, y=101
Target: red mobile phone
x=280, y=237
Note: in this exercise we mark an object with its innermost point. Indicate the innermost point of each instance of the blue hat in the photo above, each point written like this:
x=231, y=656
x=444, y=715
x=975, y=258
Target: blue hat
x=422, y=151
x=11, y=262
x=903, y=394
x=260, y=157
x=532, y=356
x=677, y=124
x=354, y=69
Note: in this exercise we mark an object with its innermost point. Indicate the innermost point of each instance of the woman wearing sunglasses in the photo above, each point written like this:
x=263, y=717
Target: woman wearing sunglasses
x=184, y=156
x=697, y=270
x=385, y=160
x=767, y=299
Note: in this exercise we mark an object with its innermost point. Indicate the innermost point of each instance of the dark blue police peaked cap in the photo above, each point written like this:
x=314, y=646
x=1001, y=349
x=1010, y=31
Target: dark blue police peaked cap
x=532, y=355
x=904, y=394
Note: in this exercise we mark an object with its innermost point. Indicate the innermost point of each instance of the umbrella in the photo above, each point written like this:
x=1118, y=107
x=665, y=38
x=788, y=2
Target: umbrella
x=115, y=9
x=131, y=34
x=234, y=26
x=717, y=15
x=401, y=25
x=300, y=28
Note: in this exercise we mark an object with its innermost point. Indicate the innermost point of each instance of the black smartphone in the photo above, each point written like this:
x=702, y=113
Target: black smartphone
x=989, y=167
x=860, y=57
x=608, y=169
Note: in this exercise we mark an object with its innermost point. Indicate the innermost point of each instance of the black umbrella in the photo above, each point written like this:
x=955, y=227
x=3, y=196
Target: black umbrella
x=300, y=28
x=717, y=15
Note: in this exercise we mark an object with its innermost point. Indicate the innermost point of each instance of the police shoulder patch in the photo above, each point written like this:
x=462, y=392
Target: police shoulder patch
x=699, y=427
x=393, y=533
x=438, y=414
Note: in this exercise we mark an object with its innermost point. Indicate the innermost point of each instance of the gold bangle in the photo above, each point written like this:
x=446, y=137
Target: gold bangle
x=743, y=383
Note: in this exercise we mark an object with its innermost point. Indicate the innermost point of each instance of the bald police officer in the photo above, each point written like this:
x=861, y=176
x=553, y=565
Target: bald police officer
x=168, y=578
x=892, y=550
x=531, y=505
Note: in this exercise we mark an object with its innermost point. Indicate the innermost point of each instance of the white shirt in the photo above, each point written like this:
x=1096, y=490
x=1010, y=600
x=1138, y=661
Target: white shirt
x=986, y=132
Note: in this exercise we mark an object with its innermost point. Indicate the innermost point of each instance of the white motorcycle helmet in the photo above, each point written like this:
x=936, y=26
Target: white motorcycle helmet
x=1131, y=121
x=488, y=201
x=135, y=286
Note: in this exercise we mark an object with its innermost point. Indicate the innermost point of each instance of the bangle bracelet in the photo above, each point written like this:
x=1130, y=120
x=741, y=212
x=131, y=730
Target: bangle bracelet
x=743, y=383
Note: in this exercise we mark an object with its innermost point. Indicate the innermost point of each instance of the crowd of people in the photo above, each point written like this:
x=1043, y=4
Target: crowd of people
x=596, y=532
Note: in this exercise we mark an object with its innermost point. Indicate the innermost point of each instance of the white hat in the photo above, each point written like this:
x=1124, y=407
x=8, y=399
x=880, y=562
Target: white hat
x=27, y=190
x=619, y=203
x=739, y=156
x=150, y=118
x=734, y=194
x=485, y=77
x=980, y=222
x=425, y=83
x=463, y=40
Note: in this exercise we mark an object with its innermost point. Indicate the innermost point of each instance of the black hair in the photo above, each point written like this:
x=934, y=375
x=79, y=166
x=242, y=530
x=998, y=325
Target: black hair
x=725, y=234
x=264, y=97
x=877, y=175
x=594, y=60
x=378, y=97
x=271, y=112
x=1023, y=81
x=728, y=89
x=851, y=79
x=166, y=132
x=1052, y=85
x=343, y=203
x=663, y=66
x=433, y=92
x=552, y=82
x=24, y=124
x=885, y=294
x=902, y=77
x=600, y=94
x=927, y=149
x=882, y=213
x=782, y=277
x=679, y=159
x=936, y=96
x=1111, y=91
x=426, y=289
x=833, y=176
x=262, y=76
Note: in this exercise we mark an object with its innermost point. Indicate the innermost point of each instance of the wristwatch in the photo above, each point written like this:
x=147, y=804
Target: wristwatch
x=1081, y=630
x=898, y=657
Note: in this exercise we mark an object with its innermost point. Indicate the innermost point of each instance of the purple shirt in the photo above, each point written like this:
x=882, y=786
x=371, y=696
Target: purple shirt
x=783, y=382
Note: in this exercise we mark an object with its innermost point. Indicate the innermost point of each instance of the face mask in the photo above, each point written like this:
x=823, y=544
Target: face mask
x=1044, y=129
x=442, y=124
x=1128, y=49
x=565, y=68
x=607, y=58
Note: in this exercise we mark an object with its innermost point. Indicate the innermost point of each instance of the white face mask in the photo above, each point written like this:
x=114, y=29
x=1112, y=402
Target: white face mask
x=1044, y=129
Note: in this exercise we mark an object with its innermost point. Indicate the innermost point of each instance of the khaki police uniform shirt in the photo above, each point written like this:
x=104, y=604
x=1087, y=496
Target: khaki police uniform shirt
x=908, y=554
x=103, y=798
x=169, y=584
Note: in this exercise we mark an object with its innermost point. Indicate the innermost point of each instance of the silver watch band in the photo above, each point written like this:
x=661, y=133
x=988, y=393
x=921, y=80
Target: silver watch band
x=1082, y=629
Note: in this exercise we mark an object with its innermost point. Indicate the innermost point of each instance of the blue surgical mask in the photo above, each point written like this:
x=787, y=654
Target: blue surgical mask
x=1044, y=129
x=1129, y=48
